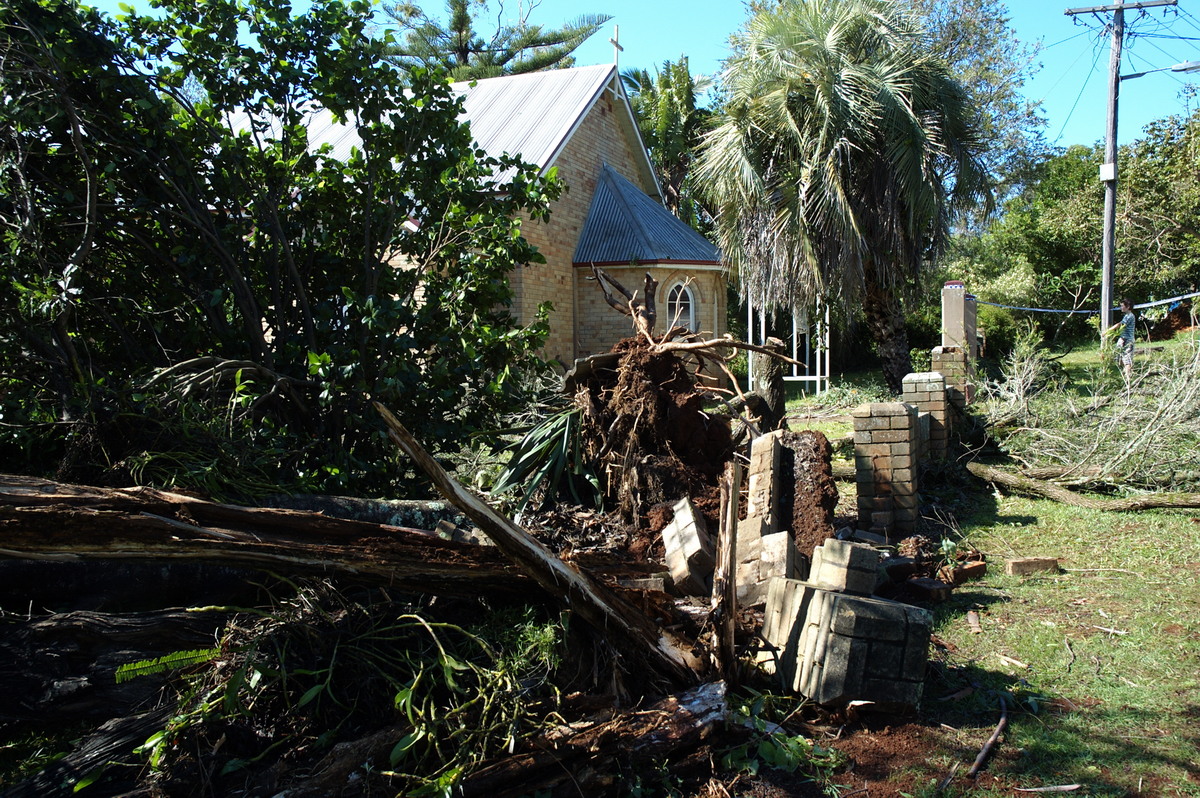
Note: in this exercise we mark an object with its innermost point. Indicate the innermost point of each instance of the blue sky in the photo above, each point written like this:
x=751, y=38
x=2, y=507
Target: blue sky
x=1071, y=85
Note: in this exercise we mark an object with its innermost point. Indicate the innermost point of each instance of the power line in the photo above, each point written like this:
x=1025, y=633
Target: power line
x=1079, y=97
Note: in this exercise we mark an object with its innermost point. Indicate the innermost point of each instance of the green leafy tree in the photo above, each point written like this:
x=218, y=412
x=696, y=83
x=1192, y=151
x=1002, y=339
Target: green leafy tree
x=512, y=49
x=671, y=121
x=985, y=55
x=1054, y=228
x=842, y=152
x=179, y=253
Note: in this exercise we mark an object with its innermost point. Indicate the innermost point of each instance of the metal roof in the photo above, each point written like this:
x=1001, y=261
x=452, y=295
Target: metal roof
x=531, y=116
x=624, y=225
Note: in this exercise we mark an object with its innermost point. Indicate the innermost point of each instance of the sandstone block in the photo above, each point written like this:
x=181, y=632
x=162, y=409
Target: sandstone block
x=689, y=550
x=1023, y=566
x=764, y=490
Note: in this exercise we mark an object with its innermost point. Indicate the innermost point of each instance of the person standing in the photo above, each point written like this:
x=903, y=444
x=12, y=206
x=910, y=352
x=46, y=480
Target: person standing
x=1125, y=340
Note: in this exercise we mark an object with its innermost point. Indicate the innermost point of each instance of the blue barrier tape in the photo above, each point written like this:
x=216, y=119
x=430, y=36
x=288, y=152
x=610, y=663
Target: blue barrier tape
x=1088, y=312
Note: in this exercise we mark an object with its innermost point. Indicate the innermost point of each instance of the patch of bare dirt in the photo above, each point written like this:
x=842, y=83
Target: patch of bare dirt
x=811, y=505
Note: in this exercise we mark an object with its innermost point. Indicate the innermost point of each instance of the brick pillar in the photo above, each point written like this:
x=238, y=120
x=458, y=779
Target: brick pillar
x=885, y=448
x=926, y=391
x=952, y=363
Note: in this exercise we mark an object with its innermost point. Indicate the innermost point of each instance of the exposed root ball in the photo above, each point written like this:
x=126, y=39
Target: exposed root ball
x=645, y=430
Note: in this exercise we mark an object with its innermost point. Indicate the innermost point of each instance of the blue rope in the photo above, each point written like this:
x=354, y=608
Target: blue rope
x=1087, y=312
x=1036, y=310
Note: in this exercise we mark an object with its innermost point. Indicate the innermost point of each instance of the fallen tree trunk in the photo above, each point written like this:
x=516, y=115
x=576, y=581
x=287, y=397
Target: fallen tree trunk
x=641, y=644
x=100, y=753
x=62, y=667
x=1058, y=493
x=49, y=521
x=596, y=761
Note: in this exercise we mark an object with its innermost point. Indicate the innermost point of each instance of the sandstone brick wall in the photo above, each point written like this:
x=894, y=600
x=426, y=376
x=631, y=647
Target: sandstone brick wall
x=926, y=391
x=953, y=364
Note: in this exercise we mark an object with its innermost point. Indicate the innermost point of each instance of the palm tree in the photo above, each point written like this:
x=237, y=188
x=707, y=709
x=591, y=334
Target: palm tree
x=842, y=153
x=671, y=122
x=512, y=49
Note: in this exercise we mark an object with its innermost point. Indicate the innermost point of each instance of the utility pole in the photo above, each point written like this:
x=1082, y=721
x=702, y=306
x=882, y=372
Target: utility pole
x=1108, y=169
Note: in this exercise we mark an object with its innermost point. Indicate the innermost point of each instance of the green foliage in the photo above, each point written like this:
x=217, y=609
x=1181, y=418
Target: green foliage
x=168, y=662
x=548, y=458
x=456, y=46
x=167, y=213
x=1045, y=250
x=771, y=746
x=1000, y=330
x=321, y=663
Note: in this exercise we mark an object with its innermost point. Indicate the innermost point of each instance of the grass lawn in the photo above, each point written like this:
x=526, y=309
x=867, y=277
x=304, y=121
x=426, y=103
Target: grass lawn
x=1099, y=663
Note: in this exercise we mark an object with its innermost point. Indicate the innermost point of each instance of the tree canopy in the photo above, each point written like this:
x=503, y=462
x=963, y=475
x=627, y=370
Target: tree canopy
x=843, y=150
x=1051, y=233
x=457, y=46
x=196, y=289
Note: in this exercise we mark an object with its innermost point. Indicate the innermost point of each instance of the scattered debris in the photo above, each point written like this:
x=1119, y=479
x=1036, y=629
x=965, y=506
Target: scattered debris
x=973, y=622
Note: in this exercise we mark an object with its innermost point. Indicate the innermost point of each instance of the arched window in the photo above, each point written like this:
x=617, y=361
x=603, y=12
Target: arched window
x=681, y=307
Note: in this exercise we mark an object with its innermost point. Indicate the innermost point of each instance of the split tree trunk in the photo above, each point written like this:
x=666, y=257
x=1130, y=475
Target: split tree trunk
x=49, y=521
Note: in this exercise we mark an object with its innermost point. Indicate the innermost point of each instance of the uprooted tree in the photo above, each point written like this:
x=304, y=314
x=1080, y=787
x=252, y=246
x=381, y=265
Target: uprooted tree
x=639, y=427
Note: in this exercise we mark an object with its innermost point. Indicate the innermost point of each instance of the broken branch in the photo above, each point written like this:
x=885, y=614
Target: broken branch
x=991, y=743
x=604, y=610
x=1058, y=493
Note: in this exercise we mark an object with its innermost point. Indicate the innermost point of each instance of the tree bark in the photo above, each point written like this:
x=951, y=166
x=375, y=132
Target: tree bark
x=885, y=320
x=62, y=667
x=42, y=520
x=102, y=751
x=642, y=645
x=1058, y=493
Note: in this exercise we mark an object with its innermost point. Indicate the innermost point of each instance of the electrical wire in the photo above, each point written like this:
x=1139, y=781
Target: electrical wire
x=1079, y=97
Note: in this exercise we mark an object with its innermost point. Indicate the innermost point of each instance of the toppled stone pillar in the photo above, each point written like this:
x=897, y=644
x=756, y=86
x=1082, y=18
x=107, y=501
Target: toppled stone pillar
x=764, y=542
x=835, y=648
x=845, y=567
x=760, y=558
x=926, y=391
x=763, y=499
x=885, y=449
x=809, y=507
x=689, y=550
